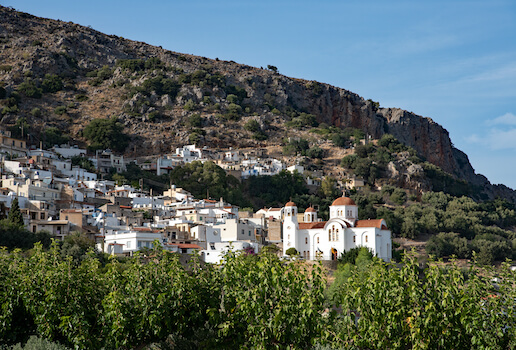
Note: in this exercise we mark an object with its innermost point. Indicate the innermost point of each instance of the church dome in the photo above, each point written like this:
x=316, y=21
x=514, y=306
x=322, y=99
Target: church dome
x=343, y=201
x=290, y=204
x=310, y=210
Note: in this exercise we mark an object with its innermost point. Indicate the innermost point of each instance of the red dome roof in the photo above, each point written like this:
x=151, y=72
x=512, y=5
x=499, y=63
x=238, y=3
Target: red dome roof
x=290, y=204
x=343, y=201
x=310, y=210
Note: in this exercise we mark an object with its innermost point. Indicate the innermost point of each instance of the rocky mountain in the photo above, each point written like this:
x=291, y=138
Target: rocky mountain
x=62, y=75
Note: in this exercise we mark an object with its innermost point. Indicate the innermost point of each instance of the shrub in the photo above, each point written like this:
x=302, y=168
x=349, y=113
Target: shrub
x=232, y=98
x=291, y=251
x=252, y=126
x=132, y=65
x=30, y=89
x=239, y=92
x=296, y=147
x=60, y=110
x=339, y=140
x=190, y=105
x=55, y=136
x=36, y=112
x=315, y=152
x=398, y=196
x=260, y=136
x=52, y=83
x=154, y=63
x=195, y=121
x=81, y=97
x=302, y=121
x=160, y=85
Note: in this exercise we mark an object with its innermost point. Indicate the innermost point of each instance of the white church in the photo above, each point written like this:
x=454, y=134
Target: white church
x=327, y=240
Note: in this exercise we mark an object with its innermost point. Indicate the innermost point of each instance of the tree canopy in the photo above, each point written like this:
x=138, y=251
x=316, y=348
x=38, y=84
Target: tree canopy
x=106, y=134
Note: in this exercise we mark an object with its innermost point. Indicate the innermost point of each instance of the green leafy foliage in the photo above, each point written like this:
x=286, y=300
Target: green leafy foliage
x=54, y=136
x=302, y=121
x=106, y=134
x=294, y=146
x=15, y=217
x=30, y=89
x=275, y=190
x=160, y=85
x=52, y=83
x=291, y=251
x=83, y=162
x=399, y=308
x=207, y=178
x=126, y=305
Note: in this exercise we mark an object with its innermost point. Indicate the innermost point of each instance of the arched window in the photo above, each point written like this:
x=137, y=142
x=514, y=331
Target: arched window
x=337, y=235
x=366, y=238
x=329, y=235
x=306, y=240
x=317, y=240
x=354, y=239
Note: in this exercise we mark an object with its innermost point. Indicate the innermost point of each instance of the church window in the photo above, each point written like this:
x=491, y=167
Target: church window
x=329, y=235
x=354, y=239
x=337, y=235
x=306, y=240
x=288, y=237
x=366, y=238
x=317, y=240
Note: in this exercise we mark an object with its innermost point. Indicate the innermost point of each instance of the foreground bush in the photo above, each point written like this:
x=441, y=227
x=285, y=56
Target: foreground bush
x=126, y=305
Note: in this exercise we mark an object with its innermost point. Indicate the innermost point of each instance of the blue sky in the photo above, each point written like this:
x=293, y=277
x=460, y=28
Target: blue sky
x=453, y=61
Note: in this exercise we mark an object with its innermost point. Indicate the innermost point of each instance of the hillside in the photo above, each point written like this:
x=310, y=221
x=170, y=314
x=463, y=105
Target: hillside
x=58, y=75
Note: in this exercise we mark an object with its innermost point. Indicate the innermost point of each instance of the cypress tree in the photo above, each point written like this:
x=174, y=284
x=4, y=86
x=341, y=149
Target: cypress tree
x=15, y=216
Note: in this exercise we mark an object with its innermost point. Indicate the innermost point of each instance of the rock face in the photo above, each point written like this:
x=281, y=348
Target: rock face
x=31, y=47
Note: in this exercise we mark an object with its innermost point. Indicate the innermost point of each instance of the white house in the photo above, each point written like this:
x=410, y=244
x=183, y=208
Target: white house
x=215, y=252
x=133, y=240
x=327, y=240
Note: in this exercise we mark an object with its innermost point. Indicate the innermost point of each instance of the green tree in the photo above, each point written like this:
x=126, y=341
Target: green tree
x=30, y=89
x=272, y=68
x=252, y=126
x=54, y=136
x=52, y=83
x=106, y=134
x=15, y=216
x=329, y=187
x=291, y=251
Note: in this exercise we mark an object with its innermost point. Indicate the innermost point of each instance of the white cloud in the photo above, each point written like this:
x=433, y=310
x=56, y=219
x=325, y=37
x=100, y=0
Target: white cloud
x=506, y=119
x=496, y=139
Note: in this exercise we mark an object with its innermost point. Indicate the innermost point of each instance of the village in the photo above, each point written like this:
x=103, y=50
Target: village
x=60, y=198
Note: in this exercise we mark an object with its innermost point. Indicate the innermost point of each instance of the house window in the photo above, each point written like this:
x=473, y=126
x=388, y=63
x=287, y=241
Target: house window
x=139, y=244
x=243, y=233
x=249, y=233
x=42, y=216
x=128, y=244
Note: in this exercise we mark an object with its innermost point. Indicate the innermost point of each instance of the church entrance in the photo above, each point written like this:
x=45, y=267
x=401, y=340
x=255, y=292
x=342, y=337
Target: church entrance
x=334, y=254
